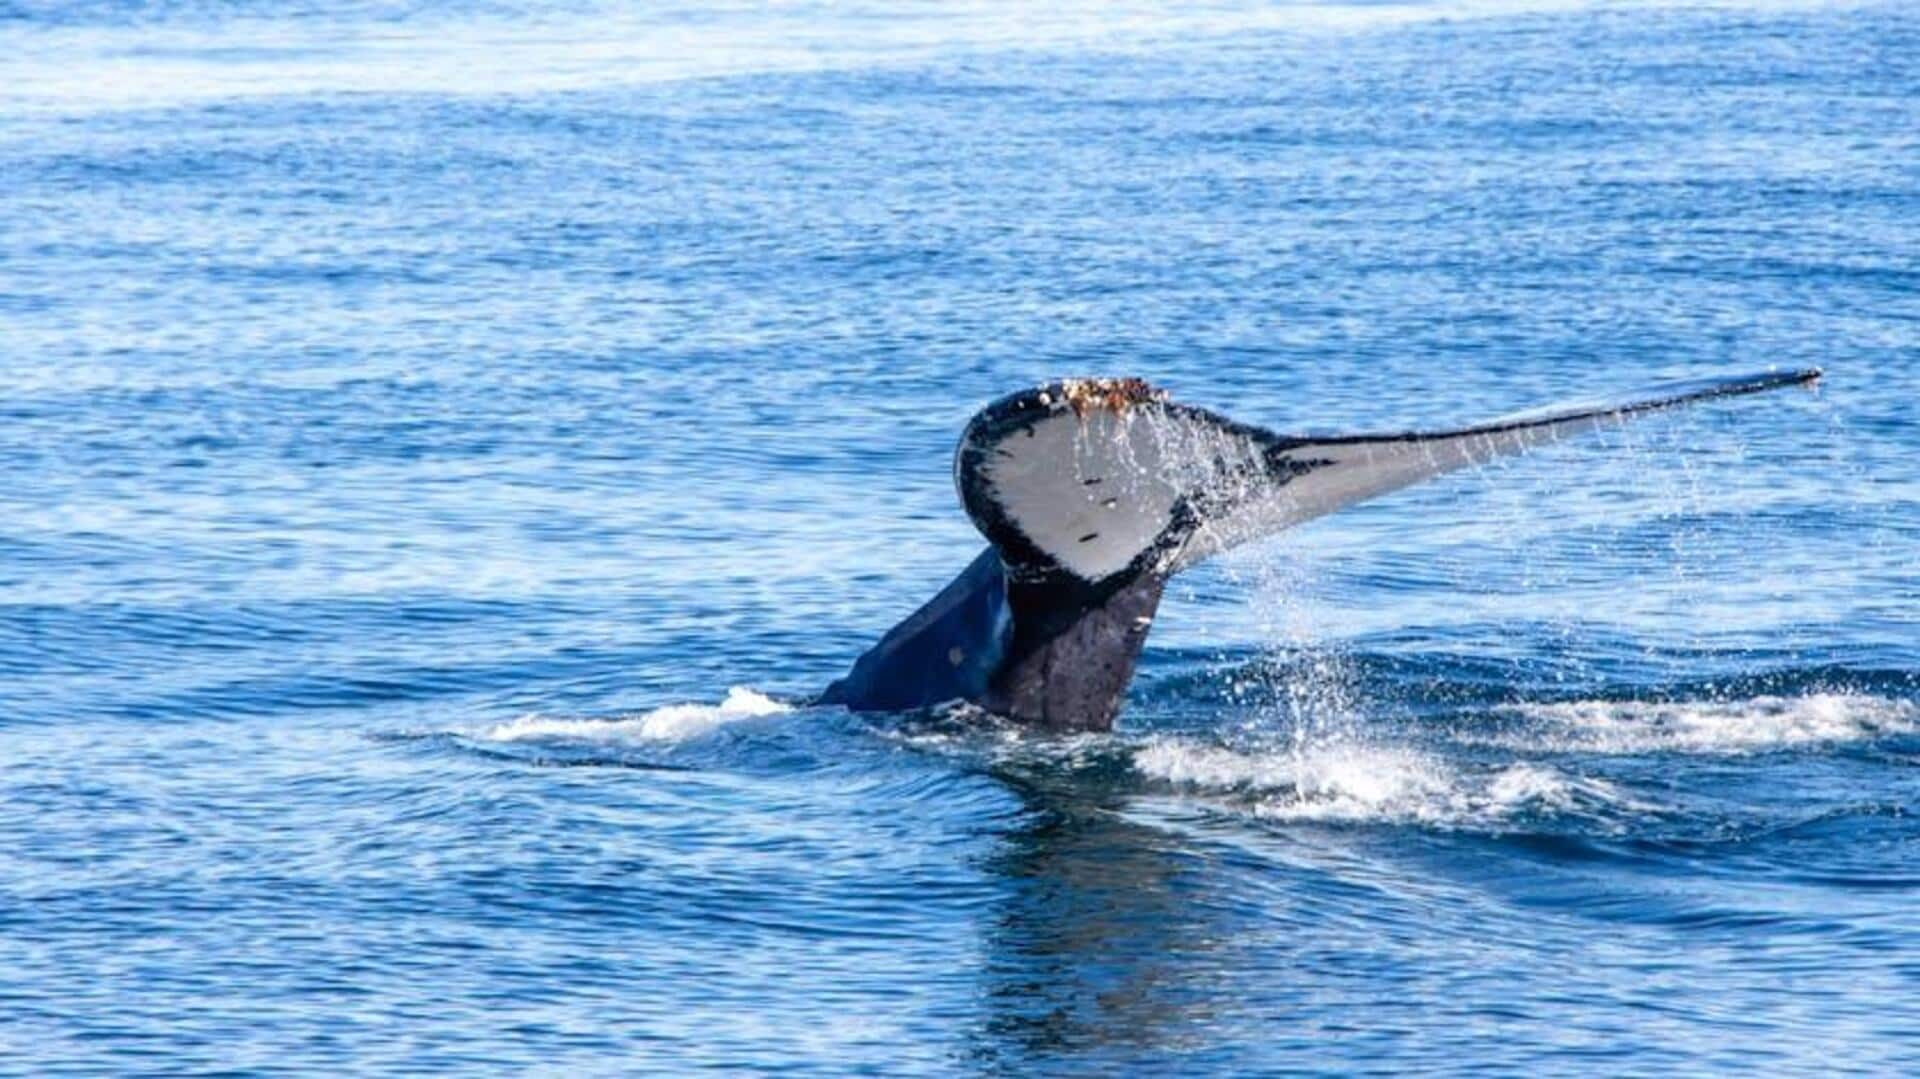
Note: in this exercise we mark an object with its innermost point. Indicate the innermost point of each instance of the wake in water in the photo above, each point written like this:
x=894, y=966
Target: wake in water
x=1753, y=725
x=1515, y=766
x=1359, y=775
x=1361, y=784
x=673, y=723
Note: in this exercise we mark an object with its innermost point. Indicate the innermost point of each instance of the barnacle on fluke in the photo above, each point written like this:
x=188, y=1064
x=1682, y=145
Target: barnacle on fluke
x=1085, y=395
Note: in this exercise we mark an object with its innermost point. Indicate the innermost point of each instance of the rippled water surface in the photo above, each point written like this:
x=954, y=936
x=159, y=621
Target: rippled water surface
x=446, y=446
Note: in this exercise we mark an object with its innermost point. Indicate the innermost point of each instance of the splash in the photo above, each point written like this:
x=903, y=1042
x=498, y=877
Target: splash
x=672, y=723
x=1362, y=784
x=1752, y=725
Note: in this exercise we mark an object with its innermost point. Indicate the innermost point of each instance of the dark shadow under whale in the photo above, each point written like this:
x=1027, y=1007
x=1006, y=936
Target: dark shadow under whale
x=1093, y=493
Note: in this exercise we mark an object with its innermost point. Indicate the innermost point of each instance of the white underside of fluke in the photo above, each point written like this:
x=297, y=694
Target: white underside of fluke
x=1340, y=473
x=1095, y=491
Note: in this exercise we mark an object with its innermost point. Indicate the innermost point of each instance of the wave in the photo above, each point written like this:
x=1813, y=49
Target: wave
x=1407, y=671
x=1378, y=784
x=671, y=723
x=1750, y=725
x=242, y=50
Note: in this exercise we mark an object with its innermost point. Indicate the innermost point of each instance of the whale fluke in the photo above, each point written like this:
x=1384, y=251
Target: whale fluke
x=1094, y=492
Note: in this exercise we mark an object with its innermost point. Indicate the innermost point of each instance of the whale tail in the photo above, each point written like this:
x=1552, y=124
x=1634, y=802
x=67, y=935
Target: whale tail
x=1105, y=480
x=1093, y=492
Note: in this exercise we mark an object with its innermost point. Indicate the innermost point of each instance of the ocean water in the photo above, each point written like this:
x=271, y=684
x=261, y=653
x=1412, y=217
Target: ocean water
x=446, y=445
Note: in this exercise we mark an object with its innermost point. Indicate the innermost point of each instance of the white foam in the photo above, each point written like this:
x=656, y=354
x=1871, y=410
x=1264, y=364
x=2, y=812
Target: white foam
x=673, y=723
x=1740, y=726
x=1358, y=783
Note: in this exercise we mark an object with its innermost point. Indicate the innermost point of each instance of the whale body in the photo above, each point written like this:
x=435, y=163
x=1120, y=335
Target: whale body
x=1093, y=493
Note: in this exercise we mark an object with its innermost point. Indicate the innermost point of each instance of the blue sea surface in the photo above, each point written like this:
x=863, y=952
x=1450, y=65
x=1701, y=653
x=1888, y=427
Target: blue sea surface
x=446, y=445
